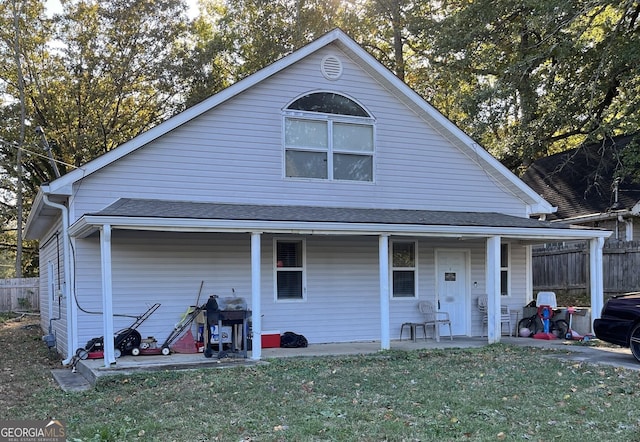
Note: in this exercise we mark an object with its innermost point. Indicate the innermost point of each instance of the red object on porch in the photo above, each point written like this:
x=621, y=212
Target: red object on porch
x=186, y=344
x=543, y=335
x=95, y=355
x=270, y=339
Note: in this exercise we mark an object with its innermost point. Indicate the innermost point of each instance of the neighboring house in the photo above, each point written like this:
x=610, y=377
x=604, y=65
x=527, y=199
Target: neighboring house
x=322, y=189
x=586, y=186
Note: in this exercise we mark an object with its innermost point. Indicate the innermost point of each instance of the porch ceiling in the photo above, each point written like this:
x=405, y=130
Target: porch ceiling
x=147, y=214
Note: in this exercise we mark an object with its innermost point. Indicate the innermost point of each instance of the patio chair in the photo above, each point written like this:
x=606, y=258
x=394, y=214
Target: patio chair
x=434, y=318
x=505, y=315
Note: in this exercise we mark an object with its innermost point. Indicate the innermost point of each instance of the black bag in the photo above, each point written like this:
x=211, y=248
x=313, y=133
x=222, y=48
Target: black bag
x=292, y=340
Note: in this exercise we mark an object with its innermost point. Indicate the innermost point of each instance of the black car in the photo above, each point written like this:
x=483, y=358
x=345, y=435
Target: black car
x=619, y=322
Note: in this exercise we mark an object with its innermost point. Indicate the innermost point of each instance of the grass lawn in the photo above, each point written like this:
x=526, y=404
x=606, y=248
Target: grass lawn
x=498, y=393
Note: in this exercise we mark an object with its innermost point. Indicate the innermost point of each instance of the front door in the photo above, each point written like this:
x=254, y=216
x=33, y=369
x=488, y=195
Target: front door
x=452, y=274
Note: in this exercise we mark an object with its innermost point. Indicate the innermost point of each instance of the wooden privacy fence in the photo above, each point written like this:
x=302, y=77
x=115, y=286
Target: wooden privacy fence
x=565, y=268
x=19, y=294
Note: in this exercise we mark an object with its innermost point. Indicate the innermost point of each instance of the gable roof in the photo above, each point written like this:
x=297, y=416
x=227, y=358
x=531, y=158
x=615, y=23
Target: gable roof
x=580, y=181
x=509, y=181
x=61, y=188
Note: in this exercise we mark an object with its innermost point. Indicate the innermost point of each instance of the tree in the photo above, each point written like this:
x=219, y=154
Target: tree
x=93, y=77
x=258, y=32
x=114, y=76
x=17, y=10
x=532, y=77
x=15, y=43
x=206, y=66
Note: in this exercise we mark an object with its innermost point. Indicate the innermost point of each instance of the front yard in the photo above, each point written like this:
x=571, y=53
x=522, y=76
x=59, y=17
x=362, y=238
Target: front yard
x=495, y=393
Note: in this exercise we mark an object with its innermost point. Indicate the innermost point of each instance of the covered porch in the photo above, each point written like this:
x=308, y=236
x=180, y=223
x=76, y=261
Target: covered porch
x=489, y=230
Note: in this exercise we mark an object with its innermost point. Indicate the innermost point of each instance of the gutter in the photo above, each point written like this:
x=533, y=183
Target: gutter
x=89, y=224
x=602, y=216
x=72, y=313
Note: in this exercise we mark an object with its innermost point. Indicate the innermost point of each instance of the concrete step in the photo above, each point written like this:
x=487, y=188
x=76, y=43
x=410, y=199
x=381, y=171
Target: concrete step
x=70, y=381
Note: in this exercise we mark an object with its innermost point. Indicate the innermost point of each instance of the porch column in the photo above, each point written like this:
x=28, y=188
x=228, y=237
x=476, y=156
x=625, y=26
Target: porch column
x=596, y=278
x=493, y=289
x=383, y=252
x=107, y=295
x=256, y=315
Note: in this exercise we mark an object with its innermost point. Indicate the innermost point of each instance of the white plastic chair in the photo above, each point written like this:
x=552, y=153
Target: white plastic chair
x=505, y=315
x=434, y=318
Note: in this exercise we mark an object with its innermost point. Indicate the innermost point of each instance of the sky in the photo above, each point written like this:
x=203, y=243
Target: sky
x=53, y=6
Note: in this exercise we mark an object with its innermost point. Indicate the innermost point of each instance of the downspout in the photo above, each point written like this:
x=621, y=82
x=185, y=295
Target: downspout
x=70, y=306
x=628, y=228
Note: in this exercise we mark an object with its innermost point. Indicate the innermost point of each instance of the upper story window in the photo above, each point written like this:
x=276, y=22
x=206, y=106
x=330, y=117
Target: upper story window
x=328, y=136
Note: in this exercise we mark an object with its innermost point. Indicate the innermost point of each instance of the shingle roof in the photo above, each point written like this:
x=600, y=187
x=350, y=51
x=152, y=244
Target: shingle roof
x=147, y=208
x=580, y=181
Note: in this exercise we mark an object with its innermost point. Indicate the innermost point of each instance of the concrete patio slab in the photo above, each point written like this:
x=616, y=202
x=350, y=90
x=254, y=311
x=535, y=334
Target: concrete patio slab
x=89, y=370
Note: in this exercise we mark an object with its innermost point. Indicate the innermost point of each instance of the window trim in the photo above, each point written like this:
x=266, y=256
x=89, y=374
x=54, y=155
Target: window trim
x=329, y=119
x=303, y=269
x=392, y=268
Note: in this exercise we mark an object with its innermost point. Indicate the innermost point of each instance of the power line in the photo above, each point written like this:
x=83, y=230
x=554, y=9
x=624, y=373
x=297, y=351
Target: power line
x=14, y=145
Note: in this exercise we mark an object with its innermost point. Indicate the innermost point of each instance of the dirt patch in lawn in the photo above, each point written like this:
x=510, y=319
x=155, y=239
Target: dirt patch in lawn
x=26, y=361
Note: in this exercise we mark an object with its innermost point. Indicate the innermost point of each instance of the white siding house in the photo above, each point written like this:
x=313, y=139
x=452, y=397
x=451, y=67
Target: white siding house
x=321, y=189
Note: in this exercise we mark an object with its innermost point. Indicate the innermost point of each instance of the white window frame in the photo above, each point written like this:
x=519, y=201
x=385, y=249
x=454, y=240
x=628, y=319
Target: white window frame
x=507, y=269
x=330, y=120
x=393, y=268
x=302, y=269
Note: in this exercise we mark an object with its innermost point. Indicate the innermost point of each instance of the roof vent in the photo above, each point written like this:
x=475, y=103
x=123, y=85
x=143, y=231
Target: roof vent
x=331, y=67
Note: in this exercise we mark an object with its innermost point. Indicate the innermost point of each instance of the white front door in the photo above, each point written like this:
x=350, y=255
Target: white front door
x=452, y=275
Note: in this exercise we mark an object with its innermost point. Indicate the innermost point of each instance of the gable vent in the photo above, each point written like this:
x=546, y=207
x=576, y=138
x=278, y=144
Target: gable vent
x=331, y=67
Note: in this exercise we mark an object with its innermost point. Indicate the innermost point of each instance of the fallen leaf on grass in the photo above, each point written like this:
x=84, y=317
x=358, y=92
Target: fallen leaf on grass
x=308, y=387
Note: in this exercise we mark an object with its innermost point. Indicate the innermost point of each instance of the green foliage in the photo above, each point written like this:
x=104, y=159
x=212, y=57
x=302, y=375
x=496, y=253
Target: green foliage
x=256, y=32
x=534, y=77
x=114, y=76
x=95, y=76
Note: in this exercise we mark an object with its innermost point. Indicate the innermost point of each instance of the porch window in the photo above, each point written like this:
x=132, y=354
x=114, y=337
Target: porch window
x=504, y=269
x=403, y=269
x=328, y=136
x=289, y=269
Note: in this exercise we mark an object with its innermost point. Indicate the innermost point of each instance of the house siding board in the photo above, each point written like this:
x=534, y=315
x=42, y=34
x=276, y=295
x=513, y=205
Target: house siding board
x=342, y=301
x=152, y=267
x=342, y=283
x=210, y=158
x=519, y=295
x=342, y=297
x=51, y=250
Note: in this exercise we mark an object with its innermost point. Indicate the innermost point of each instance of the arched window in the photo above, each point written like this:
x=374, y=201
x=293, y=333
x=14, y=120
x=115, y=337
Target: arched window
x=328, y=136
